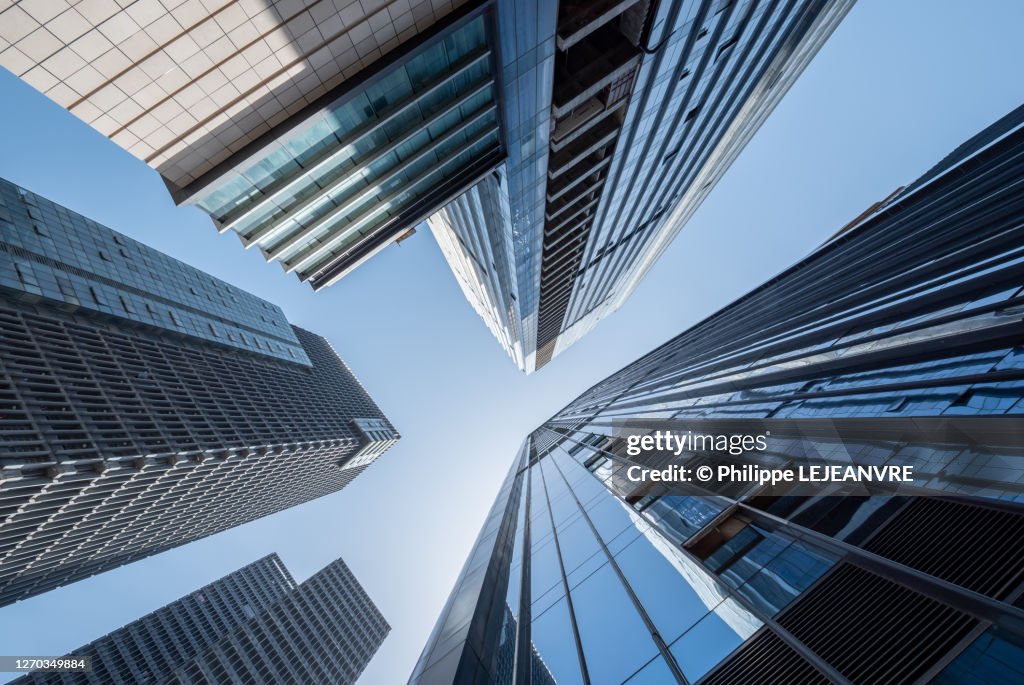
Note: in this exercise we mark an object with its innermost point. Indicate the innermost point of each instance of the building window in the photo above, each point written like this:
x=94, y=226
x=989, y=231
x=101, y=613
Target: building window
x=724, y=47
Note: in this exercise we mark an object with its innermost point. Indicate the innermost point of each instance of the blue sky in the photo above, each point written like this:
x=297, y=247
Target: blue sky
x=897, y=87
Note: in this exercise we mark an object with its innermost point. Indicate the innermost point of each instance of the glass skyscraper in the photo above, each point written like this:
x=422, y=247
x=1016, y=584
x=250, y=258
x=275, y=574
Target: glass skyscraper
x=620, y=117
x=146, y=404
x=897, y=343
x=553, y=148
x=253, y=625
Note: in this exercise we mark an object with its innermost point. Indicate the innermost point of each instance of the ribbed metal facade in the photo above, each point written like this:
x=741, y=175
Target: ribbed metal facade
x=897, y=342
x=255, y=625
x=123, y=438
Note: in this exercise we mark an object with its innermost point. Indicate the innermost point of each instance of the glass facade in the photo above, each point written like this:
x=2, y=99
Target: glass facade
x=620, y=117
x=334, y=132
x=714, y=73
x=400, y=138
x=48, y=251
x=903, y=332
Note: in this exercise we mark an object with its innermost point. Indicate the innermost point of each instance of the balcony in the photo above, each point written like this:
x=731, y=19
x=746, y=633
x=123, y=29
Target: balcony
x=577, y=19
x=602, y=58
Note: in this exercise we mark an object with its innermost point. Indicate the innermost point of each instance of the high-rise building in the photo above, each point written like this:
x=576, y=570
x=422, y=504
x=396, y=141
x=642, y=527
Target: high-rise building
x=619, y=117
x=325, y=631
x=146, y=404
x=896, y=343
x=253, y=625
x=555, y=148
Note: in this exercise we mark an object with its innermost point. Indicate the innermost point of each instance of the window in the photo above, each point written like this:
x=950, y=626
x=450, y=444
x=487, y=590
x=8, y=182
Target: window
x=724, y=47
x=897, y=405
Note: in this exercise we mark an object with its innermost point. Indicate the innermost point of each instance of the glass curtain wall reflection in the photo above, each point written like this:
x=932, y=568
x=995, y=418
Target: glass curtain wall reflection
x=900, y=339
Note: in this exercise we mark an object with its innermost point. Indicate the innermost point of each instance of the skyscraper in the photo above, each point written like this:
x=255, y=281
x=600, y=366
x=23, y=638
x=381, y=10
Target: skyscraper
x=620, y=118
x=255, y=623
x=555, y=149
x=146, y=404
x=896, y=343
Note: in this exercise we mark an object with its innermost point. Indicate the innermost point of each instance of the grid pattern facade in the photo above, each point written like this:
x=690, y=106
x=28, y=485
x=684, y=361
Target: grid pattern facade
x=49, y=251
x=149, y=649
x=121, y=444
x=908, y=320
x=122, y=439
x=325, y=631
x=184, y=84
x=342, y=179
